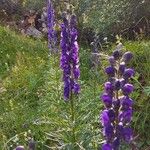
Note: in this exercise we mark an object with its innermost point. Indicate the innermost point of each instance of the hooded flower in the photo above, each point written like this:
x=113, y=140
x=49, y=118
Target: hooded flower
x=69, y=61
x=118, y=111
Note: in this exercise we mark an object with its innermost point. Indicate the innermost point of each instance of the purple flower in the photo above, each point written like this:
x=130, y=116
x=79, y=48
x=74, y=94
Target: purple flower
x=110, y=71
x=107, y=99
x=122, y=68
x=118, y=111
x=116, y=54
x=119, y=130
x=69, y=61
x=126, y=103
x=76, y=88
x=128, y=73
x=107, y=117
x=52, y=39
x=127, y=89
x=116, y=104
x=109, y=87
x=116, y=143
x=112, y=60
x=127, y=57
x=20, y=148
x=107, y=146
x=105, y=120
x=125, y=116
x=117, y=85
x=108, y=131
x=127, y=134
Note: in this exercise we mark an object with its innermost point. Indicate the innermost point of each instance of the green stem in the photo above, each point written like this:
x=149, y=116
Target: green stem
x=73, y=118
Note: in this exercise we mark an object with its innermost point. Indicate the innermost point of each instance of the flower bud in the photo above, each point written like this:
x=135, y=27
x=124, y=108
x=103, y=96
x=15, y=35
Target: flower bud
x=127, y=57
x=112, y=60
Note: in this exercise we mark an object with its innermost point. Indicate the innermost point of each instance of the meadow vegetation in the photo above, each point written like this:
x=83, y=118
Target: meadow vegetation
x=32, y=105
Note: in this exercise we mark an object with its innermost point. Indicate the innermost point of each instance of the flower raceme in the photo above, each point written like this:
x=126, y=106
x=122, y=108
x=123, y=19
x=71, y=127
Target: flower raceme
x=118, y=111
x=69, y=56
x=52, y=39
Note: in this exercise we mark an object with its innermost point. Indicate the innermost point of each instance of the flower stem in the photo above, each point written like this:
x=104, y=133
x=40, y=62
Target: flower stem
x=72, y=118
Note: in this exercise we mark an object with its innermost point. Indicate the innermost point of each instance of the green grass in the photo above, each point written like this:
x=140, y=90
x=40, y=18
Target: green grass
x=32, y=102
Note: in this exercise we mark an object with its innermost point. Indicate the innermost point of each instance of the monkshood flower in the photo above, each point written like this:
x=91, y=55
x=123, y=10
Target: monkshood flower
x=52, y=38
x=69, y=56
x=117, y=115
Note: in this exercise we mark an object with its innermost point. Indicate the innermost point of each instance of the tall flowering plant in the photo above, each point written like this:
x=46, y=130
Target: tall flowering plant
x=69, y=56
x=117, y=115
x=52, y=38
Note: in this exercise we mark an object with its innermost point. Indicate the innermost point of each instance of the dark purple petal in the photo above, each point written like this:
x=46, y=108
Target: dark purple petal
x=122, y=68
x=111, y=115
x=117, y=85
x=108, y=131
x=107, y=100
x=116, y=143
x=126, y=103
x=66, y=89
x=76, y=88
x=122, y=82
x=104, y=118
x=108, y=87
x=119, y=130
x=116, y=104
x=107, y=146
x=76, y=73
x=128, y=73
x=116, y=54
x=127, y=134
x=110, y=71
x=127, y=89
x=112, y=60
x=127, y=57
x=126, y=116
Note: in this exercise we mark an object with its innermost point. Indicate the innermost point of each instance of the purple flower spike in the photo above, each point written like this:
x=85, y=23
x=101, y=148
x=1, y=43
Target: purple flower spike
x=52, y=38
x=127, y=57
x=106, y=146
x=20, y=148
x=69, y=61
x=127, y=89
x=118, y=111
